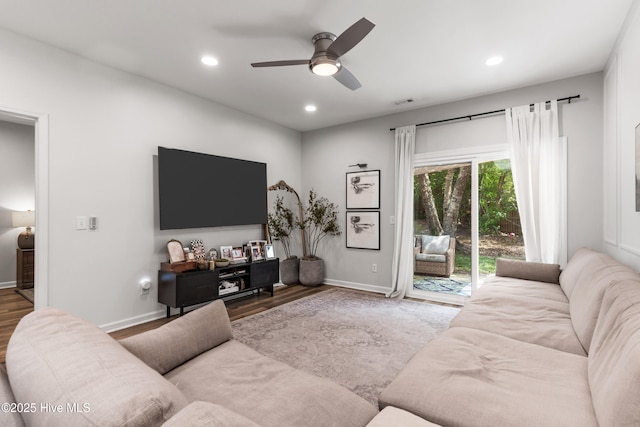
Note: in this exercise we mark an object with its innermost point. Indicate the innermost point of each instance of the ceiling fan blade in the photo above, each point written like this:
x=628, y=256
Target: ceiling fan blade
x=351, y=37
x=281, y=63
x=345, y=77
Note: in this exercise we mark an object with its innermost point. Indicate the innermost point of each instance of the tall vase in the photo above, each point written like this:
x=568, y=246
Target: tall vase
x=311, y=272
x=289, y=271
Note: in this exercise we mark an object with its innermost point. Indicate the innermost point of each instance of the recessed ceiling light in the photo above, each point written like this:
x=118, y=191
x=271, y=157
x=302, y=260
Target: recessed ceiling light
x=494, y=60
x=209, y=60
x=310, y=108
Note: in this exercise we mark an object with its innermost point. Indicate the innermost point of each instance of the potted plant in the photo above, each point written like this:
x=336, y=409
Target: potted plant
x=320, y=221
x=282, y=221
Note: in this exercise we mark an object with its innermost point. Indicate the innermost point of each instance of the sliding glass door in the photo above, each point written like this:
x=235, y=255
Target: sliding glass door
x=465, y=216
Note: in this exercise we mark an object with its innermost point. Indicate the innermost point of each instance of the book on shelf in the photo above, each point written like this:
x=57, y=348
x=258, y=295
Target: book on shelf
x=229, y=290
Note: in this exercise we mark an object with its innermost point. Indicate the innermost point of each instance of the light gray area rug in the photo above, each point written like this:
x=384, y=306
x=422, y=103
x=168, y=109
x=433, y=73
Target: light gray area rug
x=357, y=339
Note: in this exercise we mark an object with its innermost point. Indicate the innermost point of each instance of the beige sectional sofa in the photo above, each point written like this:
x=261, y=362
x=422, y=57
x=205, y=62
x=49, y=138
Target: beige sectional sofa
x=534, y=347
x=63, y=371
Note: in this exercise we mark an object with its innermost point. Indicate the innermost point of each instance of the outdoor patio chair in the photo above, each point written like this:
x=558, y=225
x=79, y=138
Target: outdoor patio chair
x=434, y=255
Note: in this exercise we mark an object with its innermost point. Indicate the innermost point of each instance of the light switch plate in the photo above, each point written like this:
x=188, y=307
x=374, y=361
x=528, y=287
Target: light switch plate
x=81, y=223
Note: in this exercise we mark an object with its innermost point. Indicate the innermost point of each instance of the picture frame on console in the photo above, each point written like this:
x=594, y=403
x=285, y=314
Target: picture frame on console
x=269, y=251
x=256, y=253
x=225, y=252
x=176, y=251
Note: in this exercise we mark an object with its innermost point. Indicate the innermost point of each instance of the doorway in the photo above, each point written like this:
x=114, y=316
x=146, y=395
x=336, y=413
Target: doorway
x=40, y=122
x=465, y=217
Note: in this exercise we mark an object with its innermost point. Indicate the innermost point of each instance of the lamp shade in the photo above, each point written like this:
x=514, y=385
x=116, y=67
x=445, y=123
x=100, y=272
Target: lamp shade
x=23, y=219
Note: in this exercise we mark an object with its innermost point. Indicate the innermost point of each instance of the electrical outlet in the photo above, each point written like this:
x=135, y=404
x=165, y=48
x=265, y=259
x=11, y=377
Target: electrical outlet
x=374, y=268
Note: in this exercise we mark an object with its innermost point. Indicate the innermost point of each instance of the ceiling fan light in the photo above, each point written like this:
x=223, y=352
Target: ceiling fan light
x=325, y=68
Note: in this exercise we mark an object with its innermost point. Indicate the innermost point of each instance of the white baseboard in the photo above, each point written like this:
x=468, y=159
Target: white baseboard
x=133, y=321
x=6, y=285
x=155, y=315
x=358, y=286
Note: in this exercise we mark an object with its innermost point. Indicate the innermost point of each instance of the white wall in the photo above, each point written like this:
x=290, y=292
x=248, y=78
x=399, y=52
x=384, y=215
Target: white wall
x=328, y=152
x=104, y=129
x=17, y=190
x=622, y=116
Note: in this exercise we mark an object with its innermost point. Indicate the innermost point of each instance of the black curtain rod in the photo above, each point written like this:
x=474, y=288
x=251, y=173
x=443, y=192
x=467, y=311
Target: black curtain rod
x=471, y=116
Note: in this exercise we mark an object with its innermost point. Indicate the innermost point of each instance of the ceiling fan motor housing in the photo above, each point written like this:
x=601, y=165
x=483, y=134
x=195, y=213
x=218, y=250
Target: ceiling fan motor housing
x=324, y=62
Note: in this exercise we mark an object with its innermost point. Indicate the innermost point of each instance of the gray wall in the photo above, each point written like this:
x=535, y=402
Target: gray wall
x=328, y=152
x=104, y=130
x=17, y=190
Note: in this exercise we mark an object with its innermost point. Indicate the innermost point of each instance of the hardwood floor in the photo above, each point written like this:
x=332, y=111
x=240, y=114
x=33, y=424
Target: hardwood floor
x=13, y=307
x=238, y=308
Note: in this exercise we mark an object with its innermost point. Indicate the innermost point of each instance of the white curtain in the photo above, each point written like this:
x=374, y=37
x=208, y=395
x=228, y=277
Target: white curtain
x=402, y=262
x=539, y=167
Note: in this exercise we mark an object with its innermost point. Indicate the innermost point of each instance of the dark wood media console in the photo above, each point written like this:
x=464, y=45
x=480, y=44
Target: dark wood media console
x=180, y=290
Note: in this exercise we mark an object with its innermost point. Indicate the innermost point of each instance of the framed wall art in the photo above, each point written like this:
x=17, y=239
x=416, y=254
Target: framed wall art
x=363, y=230
x=363, y=190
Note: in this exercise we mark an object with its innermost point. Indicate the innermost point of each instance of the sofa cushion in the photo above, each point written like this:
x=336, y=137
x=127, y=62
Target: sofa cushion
x=268, y=392
x=9, y=417
x=182, y=339
x=541, y=322
x=435, y=244
x=614, y=358
x=431, y=257
x=536, y=271
x=54, y=358
x=207, y=414
x=468, y=377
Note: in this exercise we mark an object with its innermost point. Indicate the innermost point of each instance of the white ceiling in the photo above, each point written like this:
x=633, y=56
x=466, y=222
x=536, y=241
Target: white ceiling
x=431, y=51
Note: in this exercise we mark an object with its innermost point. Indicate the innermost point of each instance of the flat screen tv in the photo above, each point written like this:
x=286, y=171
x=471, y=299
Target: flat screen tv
x=202, y=190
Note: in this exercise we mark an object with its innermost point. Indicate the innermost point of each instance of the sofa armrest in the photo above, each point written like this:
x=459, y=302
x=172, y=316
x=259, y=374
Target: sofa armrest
x=208, y=414
x=9, y=419
x=535, y=271
x=182, y=339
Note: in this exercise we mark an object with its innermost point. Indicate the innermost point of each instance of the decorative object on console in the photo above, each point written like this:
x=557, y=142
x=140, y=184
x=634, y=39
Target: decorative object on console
x=177, y=258
x=26, y=239
x=363, y=230
x=197, y=247
x=222, y=262
x=321, y=221
x=363, y=190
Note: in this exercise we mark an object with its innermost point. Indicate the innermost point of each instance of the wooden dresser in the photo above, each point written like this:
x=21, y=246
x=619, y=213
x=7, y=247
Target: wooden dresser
x=24, y=273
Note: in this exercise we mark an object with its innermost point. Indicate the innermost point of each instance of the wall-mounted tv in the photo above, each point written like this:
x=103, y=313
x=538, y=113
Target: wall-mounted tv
x=202, y=190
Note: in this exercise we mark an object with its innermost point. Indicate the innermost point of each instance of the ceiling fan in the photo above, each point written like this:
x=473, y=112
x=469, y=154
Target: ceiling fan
x=328, y=50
